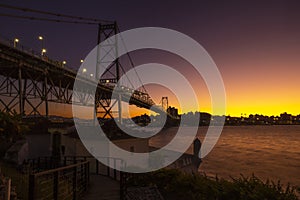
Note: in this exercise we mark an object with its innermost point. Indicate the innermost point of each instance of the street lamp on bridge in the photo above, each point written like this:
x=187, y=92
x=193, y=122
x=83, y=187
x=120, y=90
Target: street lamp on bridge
x=84, y=69
x=43, y=51
x=16, y=41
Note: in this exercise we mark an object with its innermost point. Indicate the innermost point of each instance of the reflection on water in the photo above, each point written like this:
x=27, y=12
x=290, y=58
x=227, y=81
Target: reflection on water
x=267, y=151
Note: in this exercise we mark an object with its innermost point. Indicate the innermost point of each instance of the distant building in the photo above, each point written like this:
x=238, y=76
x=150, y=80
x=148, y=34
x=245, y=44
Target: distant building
x=297, y=119
x=286, y=118
x=233, y=120
x=204, y=118
x=142, y=120
x=173, y=111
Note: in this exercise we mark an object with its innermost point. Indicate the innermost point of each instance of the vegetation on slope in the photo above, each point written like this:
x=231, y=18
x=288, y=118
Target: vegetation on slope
x=174, y=185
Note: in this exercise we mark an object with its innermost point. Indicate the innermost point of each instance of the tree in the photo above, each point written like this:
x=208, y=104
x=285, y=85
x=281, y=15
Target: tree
x=11, y=130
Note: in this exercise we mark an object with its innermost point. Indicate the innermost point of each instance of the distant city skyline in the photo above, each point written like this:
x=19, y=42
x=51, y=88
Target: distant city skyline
x=255, y=44
x=242, y=115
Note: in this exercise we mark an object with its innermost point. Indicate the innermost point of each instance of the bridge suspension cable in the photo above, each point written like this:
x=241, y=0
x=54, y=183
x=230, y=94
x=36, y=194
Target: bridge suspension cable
x=47, y=19
x=131, y=61
x=97, y=21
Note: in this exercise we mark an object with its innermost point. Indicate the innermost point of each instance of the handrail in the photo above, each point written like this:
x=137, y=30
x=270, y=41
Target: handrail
x=60, y=168
x=98, y=164
x=72, y=162
x=71, y=181
x=36, y=165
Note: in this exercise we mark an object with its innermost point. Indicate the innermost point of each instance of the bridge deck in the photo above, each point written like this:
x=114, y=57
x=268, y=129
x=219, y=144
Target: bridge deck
x=52, y=81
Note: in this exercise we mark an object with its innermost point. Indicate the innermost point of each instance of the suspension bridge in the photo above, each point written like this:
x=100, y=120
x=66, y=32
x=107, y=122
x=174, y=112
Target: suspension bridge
x=31, y=80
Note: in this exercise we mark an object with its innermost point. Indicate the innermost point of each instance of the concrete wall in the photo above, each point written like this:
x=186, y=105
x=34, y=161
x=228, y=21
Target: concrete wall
x=39, y=145
x=74, y=147
x=138, y=145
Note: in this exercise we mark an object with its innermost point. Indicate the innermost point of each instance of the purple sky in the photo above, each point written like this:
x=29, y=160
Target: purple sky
x=254, y=43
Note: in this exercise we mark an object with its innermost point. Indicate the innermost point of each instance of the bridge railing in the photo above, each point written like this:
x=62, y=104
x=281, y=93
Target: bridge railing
x=33, y=53
x=69, y=182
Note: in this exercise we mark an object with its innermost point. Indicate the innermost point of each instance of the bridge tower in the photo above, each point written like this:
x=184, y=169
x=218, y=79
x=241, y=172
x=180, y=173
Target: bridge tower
x=108, y=53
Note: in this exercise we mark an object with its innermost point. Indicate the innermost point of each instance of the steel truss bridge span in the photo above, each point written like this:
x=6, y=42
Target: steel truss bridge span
x=30, y=81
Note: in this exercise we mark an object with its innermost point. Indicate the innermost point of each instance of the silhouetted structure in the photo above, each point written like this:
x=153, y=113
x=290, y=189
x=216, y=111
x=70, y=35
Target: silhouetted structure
x=197, y=153
x=173, y=111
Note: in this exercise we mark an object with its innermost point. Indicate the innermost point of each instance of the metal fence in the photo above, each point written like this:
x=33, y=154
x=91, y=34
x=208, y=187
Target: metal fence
x=64, y=183
x=96, y=167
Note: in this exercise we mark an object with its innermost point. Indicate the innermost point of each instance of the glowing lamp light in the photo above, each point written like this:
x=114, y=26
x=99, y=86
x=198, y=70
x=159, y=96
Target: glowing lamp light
x=16, y=40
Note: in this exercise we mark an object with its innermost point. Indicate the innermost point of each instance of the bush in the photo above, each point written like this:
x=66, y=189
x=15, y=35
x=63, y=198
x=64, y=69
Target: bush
x=174, y=185
x=11, y=130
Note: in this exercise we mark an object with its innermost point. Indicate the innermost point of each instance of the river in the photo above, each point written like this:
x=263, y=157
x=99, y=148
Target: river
x=268, y=152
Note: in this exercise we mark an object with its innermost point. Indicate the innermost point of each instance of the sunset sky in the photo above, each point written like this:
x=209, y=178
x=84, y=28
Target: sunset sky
x=255, y=44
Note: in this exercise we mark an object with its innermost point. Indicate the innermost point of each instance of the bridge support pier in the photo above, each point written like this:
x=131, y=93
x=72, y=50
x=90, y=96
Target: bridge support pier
x=120, y=108
x=20, y=92
x=46, y=95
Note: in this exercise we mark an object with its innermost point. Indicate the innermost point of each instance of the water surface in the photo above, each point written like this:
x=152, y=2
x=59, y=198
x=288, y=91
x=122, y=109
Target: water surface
x=270, y=152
